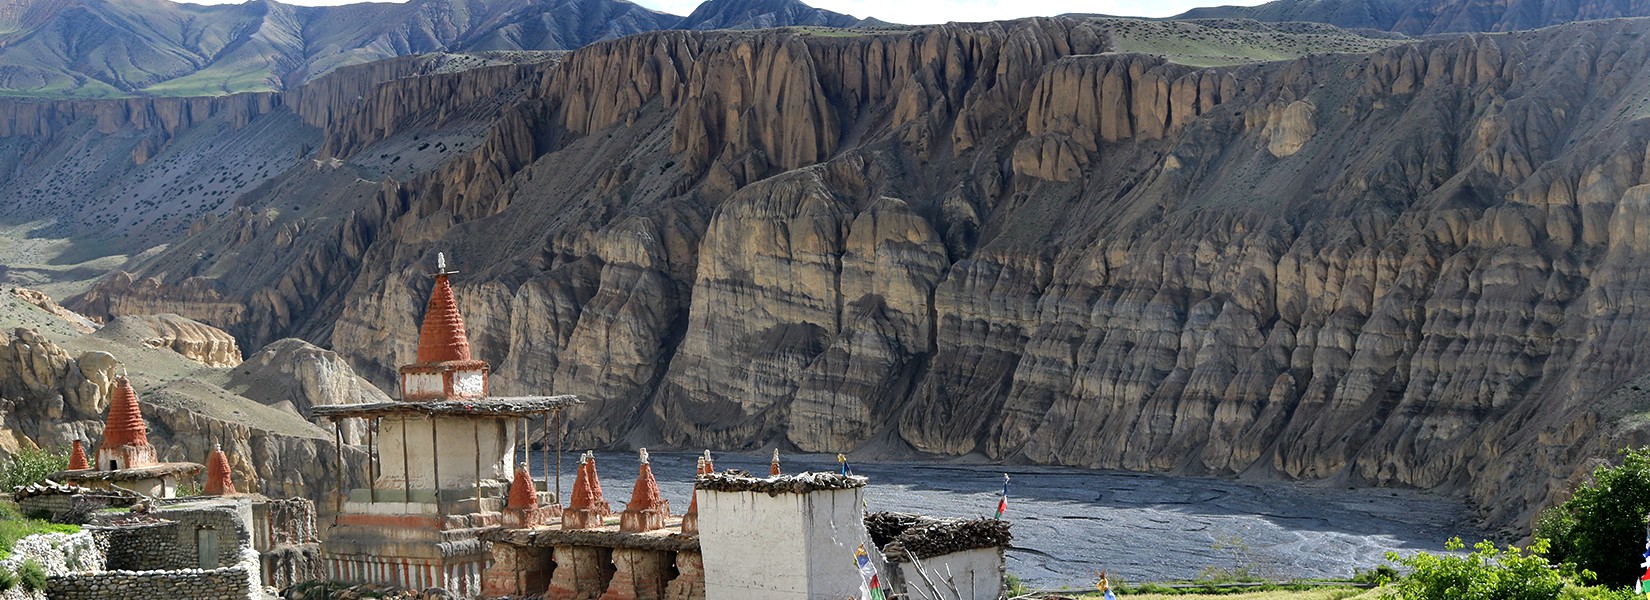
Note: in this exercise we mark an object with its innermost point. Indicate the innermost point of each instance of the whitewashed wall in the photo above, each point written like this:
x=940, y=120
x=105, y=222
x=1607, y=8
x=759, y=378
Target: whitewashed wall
x=968, y=575
x=784, y=547
x=454, y=448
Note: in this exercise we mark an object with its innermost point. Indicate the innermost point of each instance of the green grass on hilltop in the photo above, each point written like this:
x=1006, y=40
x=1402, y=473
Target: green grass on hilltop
x=1207, y=45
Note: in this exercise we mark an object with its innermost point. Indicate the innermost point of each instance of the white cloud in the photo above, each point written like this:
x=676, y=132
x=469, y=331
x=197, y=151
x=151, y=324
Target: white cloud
x=916, y=12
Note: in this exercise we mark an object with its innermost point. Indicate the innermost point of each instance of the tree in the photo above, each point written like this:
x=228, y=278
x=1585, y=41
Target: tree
x=1601, y=527
x=30, y=466
x=1490, y=573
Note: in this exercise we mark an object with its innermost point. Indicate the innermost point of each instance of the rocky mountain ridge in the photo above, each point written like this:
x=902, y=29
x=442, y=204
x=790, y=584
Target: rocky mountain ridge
x=1413, y=266
x=164, y=48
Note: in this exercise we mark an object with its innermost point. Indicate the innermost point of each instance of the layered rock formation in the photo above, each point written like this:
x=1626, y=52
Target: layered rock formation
x=53, y=395
x=295, y=375
x=1412, y=267
x=269, y=46
x=194, y=340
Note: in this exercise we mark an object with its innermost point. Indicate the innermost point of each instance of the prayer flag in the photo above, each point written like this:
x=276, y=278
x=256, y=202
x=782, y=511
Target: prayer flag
x=1642, y=586
x=872, y=585
x=1002, y=503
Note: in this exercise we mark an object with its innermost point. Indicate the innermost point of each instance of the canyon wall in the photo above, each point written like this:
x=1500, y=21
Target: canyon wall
x=1415, y=267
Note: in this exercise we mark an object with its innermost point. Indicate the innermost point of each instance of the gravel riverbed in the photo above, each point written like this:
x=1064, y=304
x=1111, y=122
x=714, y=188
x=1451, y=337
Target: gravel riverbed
x=1069, y=524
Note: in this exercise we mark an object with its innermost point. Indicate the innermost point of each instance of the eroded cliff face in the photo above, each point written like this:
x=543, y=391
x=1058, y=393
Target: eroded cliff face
x=53, y=395
x=1414, y=267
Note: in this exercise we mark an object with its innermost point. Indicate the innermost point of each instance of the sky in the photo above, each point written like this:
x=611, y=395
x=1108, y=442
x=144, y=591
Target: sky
x=918, y=12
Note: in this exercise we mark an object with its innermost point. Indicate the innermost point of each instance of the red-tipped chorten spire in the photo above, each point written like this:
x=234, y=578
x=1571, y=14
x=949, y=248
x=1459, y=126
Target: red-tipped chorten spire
x=77, y=457
x=690, y=521
x=441, y=338
x=647, y=509
x=125, y=437
x=773, y=467
x=218, y=480
x=523, y=496
x=587, y=507
x=124, y=425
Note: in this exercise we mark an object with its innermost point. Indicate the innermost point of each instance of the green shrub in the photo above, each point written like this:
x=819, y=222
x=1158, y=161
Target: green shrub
x=1601, y=527
x=1490, y=573
x=30, y=466
x=8, y=580
x=1015, y=586
x=32, y=576
x=1377, y=576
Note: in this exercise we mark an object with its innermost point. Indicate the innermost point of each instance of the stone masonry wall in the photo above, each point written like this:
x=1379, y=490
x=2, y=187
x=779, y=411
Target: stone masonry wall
x=58, y=553
x=238, y=582
x=174, y=544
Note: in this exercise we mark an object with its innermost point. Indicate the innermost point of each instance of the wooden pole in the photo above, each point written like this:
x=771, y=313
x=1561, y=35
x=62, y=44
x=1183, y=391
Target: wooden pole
x=475, y=425
x=338, y=441
x=559, y=439
x=435, y=470
x=406, y=467
x=372, y=461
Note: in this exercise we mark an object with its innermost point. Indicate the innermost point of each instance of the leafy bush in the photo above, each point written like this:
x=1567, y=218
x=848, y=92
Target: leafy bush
x=30, y=466
x=1601, y=527
x=1490, y=573
x=1377, y=576
x=8, y=580
x=1015, y=586
x=32, y=576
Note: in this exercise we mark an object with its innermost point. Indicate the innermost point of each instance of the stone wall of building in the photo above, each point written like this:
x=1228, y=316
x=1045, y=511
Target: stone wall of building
x=172, y=538
x=67, y=504
x=760, y=539
x=287, y=566
x=284, y=534
x=237, y=582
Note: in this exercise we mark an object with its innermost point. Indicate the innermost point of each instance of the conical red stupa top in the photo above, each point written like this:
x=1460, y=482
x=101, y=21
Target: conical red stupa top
x=523, y=496
x=587, y=486
x=704, y=468
x=773, y=467
x=124, y=425
x=77, y=458
x=442, y=337
x=595, y=480
x=645, y=495
x=218, y=481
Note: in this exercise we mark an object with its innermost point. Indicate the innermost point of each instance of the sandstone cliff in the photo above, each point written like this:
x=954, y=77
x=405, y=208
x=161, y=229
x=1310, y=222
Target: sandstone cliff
x=1411, y=267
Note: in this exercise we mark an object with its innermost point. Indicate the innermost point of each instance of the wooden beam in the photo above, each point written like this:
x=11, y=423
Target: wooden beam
x=372, y=461
x=338, y=440
x=560, y=423
x=475, y=425
x=406, y=466
x=435, y=471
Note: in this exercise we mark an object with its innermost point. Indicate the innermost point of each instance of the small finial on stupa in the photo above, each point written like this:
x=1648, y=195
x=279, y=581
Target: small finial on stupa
x=643, y=454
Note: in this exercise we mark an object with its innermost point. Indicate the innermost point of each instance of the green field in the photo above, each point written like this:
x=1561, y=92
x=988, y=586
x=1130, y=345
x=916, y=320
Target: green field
x=1224, y=43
